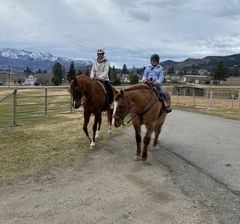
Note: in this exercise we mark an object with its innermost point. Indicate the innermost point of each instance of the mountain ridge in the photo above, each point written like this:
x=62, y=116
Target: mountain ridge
x=18, y=60
x=204, y=63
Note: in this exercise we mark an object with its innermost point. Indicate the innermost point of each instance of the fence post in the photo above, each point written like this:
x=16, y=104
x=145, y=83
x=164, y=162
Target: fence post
x=239, y=100
x=194, y=97
x=232, y=100
x=210, y=100
x=71, y=99
x=177, y=96
x=46, y=102
x=15, y=107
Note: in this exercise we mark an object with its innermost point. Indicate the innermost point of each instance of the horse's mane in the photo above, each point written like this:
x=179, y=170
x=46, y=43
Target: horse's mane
x=136, y=87
x=83, y=76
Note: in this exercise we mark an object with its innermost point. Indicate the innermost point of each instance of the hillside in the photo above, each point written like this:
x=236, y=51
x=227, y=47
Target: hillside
x=18, y=60
x=205, y=63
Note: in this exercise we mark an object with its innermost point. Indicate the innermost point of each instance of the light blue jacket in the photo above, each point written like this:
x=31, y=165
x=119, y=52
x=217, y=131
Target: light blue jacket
x=153, y=73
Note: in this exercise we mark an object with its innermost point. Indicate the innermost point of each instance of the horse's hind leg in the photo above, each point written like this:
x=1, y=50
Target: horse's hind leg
x=138, y=140
x=158, y=128
x=157, y=132
x=146, y=141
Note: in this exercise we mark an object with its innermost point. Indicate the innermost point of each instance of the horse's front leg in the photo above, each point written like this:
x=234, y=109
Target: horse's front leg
x=138, y=138
x=146, y=141
x=85, y=124
x=98, y=127
x=110, y=118
x=97, y=117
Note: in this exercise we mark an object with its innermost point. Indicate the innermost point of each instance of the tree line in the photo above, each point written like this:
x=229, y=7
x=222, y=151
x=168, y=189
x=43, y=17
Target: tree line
x=115, y=74
x=219, y=72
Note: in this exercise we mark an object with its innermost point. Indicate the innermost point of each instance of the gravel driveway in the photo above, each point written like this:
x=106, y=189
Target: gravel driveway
x=110, y=188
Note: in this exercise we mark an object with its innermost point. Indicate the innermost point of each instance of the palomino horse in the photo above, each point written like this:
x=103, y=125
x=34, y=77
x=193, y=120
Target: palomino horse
x=92, y=95
x=142, y=104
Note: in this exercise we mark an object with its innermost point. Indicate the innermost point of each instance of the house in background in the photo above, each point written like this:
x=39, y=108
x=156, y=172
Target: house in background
x=197, y=79
x=30, y=80
x=188, y=91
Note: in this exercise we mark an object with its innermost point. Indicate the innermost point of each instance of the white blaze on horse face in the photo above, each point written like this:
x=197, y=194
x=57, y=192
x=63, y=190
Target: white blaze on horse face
x=115, y=104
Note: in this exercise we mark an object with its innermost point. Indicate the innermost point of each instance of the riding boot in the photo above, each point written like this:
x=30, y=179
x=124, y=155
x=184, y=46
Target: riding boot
x=168, y=109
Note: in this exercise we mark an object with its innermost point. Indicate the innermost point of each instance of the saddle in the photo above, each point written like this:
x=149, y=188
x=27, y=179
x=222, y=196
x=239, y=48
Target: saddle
x=109, y=93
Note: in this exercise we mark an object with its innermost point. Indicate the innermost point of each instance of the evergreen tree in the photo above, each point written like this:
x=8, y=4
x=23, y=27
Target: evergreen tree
x=57, y=73
x=114, y=79
x=220, y=72
x=194, y=70
x=134, y=78
x=28, y=71
x=124, y=69
x=72, y=72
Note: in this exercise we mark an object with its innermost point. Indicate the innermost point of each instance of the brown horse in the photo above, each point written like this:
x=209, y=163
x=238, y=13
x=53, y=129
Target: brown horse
x=92, y=95
x=142, y=104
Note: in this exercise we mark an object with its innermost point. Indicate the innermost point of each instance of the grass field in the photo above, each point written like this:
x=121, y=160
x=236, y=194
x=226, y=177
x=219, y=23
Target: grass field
x=33, y=148
x=36, y=144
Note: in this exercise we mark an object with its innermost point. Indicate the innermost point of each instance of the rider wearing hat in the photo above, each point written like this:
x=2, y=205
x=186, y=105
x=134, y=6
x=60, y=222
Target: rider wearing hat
x=99, y=71
x=153, y=74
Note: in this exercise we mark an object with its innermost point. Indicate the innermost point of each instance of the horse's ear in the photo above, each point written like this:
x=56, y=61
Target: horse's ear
x=115, y=92
x=68, y=80
x=122, y=93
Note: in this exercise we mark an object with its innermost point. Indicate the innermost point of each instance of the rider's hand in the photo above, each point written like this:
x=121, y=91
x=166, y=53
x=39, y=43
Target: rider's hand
x=145, y=81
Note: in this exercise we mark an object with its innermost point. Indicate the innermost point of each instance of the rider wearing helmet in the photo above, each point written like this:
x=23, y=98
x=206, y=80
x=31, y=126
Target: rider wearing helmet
x=154, y=74
x=99, y=71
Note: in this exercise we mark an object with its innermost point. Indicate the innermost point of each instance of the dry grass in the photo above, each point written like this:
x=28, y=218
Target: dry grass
x=227, y=108
x=32, y=149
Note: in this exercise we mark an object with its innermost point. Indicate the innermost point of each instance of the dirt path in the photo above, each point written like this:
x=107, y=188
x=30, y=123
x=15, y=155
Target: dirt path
x=110, y=188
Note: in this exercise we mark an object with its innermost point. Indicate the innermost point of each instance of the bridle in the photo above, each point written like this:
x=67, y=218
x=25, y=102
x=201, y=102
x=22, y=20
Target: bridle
x=120, y=115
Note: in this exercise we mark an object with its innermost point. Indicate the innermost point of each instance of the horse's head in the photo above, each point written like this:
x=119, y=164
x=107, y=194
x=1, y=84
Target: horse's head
x=75, y=90
x=121, y=108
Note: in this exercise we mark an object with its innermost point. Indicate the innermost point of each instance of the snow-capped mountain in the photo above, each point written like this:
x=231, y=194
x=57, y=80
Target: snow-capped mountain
x=18, y=60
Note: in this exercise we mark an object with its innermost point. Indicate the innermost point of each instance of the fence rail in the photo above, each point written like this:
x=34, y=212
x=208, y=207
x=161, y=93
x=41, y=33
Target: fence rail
x=28, y=103
x=21, y=104
x=211, y=100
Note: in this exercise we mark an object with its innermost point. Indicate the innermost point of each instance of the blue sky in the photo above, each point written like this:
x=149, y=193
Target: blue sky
x=129, y=31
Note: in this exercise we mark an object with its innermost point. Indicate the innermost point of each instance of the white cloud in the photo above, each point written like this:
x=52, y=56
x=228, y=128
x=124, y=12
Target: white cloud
x=130, y=31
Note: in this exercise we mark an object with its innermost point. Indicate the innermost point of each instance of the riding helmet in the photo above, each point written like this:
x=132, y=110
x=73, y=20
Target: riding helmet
x=155, y=57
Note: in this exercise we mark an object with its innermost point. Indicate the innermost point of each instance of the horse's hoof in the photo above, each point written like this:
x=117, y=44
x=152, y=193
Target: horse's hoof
x=92, y=145
x=97, y=134
x=154, y=148
x=137, y=158
x=143, y=158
